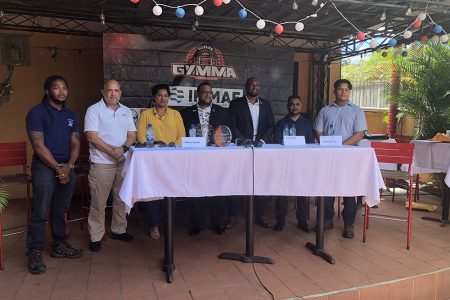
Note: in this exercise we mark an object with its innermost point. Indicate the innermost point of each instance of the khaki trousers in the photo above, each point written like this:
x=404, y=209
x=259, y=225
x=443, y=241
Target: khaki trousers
x=102, y=178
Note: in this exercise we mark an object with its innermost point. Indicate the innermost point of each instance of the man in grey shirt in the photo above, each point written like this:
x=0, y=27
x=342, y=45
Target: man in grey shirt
x=342, y=118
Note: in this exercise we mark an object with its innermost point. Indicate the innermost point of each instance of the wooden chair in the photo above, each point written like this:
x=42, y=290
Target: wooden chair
x=397, y=153
x=14, y=155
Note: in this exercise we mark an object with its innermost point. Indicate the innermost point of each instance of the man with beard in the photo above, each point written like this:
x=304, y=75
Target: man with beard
x=53, y=132
x=205, y=112
x=342, y=118
x=110, y=130
x=252, y=119
x=303, y=127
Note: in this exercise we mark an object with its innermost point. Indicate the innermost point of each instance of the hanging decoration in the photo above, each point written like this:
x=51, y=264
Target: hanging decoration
x=279, y=27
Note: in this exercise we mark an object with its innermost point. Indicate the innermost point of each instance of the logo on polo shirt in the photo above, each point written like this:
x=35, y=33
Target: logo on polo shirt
x=70, y=122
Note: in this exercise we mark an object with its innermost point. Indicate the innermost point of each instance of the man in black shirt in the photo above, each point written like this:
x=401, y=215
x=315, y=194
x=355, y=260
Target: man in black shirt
x=304, y=127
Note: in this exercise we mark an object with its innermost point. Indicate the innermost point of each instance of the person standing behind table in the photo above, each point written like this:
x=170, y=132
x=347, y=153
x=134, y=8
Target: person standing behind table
x=303, y=127
x=205, y=112
x=342, y=118
x=110, y=131
x=168, y=128
x=53, y=132
x=252, y=118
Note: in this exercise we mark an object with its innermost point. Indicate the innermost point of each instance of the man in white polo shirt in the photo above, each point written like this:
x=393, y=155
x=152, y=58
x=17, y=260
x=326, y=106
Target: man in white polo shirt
x=110, y=130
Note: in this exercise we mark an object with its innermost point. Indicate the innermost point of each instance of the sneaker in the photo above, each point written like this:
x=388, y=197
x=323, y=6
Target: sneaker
x=349, y=231
x=64, y=250
x=124, y=237
x=95, y=246
x=35, y=263
x=327, y=225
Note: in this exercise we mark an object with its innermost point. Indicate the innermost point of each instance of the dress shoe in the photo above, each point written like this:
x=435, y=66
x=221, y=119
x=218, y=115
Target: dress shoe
x=263, y=222
x=349, y=231
x=279, y=226
x=303, y=226
x=95, y=246
x=231, y=223
x=124, y=237
x=220, y=230
x=195, y=230
x=327, y=225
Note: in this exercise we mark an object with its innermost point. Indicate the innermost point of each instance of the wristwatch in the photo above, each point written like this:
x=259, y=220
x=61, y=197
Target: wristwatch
x=125, y=148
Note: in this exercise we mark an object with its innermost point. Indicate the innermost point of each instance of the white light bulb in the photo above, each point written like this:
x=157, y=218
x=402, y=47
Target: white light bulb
x=157, y=10
x=226, y=1
x=314, y=2
x=294, y=5
x=422, y=16
x=260, y=24
x=299, y=26
x=408, y=11
x=407, y=34
x=373, y=44
x=383, y=15
x=435, y=39
x=199, y=10
x=443, y=38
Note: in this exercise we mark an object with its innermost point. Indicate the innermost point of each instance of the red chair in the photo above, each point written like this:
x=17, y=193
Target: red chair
x=397, y=153
x=14, y=155
x=406, y=139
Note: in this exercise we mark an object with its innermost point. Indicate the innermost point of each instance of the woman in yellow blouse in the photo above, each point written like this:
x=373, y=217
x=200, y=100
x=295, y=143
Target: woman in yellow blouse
x=167, y=127
x=166, y=122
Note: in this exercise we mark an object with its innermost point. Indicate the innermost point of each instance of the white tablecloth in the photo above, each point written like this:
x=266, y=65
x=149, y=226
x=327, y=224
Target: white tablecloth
x=181, y=172
x=431, y=157
x=314, y=170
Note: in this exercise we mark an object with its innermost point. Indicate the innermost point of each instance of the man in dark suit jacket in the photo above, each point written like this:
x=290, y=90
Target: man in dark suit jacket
x=252, y=119
x=205, y=112
x=252, y=116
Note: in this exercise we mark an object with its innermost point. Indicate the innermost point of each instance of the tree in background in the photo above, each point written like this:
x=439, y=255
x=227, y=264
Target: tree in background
x=424, y=90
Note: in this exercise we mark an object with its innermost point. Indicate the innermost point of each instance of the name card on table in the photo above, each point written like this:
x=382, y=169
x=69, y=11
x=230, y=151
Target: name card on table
x=294, y=140
x=193, y=142
x=334, y=140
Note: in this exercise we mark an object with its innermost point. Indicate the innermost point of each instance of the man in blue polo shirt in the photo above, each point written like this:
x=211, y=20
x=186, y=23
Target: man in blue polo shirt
x=53, y=132
x=342, y=118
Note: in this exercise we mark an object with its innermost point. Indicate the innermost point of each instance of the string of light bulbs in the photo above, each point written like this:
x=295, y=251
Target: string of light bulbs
x=261, y=23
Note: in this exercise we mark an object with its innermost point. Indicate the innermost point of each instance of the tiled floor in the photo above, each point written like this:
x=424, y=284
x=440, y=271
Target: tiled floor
x=133, y=270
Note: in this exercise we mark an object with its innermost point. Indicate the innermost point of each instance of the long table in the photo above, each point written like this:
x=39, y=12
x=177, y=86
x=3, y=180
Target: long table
x=181, y=172
x=434, y=157
x=314, y=170
x=272, y=170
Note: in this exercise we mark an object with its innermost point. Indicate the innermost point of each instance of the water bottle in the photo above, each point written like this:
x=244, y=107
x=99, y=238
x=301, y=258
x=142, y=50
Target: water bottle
x=150, y=136
x=331, y=130
x=293, y=130
x=192, y=131
x=285, y=130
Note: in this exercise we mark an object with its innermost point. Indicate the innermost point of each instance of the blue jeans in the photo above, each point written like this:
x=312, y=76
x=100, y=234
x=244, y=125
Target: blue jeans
x=48, y=193
x=348, y=212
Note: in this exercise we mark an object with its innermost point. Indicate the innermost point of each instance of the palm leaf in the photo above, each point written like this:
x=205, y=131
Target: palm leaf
x=3, y=199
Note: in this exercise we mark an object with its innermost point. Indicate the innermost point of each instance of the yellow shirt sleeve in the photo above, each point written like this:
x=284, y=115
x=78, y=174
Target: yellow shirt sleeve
x=142, y=126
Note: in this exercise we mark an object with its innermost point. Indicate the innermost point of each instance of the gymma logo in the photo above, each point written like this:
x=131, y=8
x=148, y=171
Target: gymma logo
x=205, y=63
